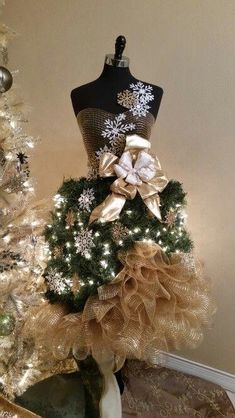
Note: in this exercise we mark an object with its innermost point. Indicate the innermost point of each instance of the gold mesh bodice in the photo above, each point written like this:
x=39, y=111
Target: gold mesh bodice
x=103, y=131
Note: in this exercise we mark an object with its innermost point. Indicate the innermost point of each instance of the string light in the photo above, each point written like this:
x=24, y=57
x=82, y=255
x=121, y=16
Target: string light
x=104, y=263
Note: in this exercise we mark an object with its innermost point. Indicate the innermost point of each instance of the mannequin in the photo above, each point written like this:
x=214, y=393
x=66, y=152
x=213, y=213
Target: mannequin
x=101, y=93
x=116, y=76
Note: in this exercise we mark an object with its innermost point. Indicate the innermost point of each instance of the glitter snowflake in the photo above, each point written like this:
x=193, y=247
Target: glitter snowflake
x=57, y=283
x=119, y=231
x=92, y=168
x=84, y=242
x=143, y=92
x=102, y=151
x=126, y=98
x=141, y=95
x=118, y=146
x=170, y=218
x=115, y=129
x=86, y=198
x=70, y=218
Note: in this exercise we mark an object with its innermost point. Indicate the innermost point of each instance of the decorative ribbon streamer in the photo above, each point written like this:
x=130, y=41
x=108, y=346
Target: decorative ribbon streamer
x=137, y=171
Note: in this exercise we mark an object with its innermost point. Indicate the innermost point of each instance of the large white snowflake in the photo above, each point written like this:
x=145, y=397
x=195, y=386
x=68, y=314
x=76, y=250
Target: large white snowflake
x=84, y=242
x=86, y=198
x=141, y=96
x=143, y=92
x=115, y=129
x=57, y=283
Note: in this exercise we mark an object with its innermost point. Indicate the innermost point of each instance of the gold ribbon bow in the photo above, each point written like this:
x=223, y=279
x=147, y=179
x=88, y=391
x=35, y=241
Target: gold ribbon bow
x=137, y=171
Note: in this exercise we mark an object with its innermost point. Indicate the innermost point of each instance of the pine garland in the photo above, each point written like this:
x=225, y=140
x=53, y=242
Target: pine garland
x=83, y=257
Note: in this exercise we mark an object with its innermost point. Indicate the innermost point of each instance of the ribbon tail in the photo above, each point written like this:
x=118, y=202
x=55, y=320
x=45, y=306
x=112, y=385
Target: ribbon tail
x=110, y=403
x=153, y=204
x=109, y=209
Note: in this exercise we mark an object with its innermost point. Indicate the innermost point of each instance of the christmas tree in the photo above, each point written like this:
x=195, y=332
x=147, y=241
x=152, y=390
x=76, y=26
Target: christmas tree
x=22, y=247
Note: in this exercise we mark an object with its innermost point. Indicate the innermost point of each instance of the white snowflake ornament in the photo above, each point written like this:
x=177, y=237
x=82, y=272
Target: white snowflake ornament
x=102, y=151
x=116, y=129
x=57, y=283
x=84, y=242
x=86, y=198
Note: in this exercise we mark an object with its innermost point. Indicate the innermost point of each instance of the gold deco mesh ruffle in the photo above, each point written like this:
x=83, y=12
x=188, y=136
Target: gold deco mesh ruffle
x=154, y=303
x=91, y=122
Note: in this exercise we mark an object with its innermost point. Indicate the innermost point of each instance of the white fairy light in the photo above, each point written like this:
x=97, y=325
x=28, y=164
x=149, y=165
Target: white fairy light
x=137, y=229
x=9, y=156
x=97, y=234
x=30, y=144
x=91, y=282
x=120, y=242
x=68, y=244
x=104, y=263
x=147, y=230
x=87, y=255
x=7, y=238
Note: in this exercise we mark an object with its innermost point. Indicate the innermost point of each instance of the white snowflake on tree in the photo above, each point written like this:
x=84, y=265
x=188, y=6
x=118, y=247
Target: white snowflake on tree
x=86, y=198
x=57, y=283
x=115, y=129
x=84, y=242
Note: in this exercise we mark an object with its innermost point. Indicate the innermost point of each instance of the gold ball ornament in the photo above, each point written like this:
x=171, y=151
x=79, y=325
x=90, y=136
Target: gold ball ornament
x=6, y=79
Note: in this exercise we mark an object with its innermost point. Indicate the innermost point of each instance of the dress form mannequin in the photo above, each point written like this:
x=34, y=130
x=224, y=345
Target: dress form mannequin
x=116, y=76
x=101, y=94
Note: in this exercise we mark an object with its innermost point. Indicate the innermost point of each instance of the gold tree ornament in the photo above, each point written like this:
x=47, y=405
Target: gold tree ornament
x=70, y=218
x=170, y=218
x=76, y=284
x=119, y=231
x=57, y=251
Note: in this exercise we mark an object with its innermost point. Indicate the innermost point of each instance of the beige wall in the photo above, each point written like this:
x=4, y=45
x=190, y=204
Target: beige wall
x=185, y=46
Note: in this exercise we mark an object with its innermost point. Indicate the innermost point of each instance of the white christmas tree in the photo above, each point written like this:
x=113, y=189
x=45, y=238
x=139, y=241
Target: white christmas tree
x=23, y=250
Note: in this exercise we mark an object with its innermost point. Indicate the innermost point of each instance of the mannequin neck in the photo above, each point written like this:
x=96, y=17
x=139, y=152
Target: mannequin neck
x=113, y=73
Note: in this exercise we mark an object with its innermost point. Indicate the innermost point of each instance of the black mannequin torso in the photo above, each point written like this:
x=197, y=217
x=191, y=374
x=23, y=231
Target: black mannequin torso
x=102, y=92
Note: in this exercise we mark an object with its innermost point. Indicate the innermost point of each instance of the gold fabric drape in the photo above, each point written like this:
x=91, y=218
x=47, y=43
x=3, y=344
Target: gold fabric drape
x=154, y=303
